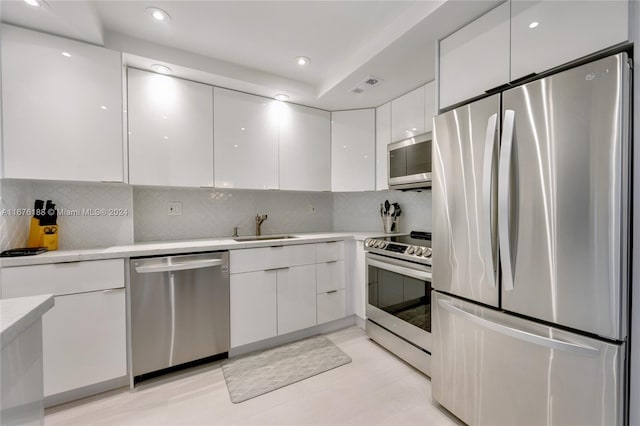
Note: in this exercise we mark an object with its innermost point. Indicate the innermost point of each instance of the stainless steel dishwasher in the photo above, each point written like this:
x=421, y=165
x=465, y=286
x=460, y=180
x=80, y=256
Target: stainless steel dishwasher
x=179, y=310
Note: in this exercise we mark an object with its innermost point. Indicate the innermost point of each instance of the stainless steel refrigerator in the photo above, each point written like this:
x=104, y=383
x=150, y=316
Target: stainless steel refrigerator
x=531, y=244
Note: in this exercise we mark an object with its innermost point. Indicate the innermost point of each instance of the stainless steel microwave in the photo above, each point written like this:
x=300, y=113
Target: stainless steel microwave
x=409, y=162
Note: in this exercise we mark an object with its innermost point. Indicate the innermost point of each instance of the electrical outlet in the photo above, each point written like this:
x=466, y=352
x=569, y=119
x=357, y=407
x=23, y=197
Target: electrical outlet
x=311, y=209
x=175, y=209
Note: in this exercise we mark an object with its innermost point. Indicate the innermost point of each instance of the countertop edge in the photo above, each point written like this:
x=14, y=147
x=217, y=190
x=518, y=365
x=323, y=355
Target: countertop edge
x=18, y=314
x=177, y=247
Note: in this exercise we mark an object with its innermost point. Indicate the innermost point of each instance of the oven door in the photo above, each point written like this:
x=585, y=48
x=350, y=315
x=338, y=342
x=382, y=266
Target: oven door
x=399, y=298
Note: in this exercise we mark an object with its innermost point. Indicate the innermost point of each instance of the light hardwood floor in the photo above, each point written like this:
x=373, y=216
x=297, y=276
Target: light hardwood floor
x=376, y=388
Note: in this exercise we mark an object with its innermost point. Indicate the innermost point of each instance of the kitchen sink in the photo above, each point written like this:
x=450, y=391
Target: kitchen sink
x=264, y=238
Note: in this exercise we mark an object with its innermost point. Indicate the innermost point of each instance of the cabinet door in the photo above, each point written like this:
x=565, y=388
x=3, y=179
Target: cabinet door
x=253, y=307
x=548, y=33
x=331, y=306
x=383, y=138
x=296, y=298
x=170, y=131
x=305, y=148
x=84, y=340
x=61, y=108
x=353, y=150
x=430, y=109
x=475, y=58
x=245, y=140
x=407, y=115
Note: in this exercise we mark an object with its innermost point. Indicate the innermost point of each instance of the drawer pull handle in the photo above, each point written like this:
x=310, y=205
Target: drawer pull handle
x=276, y=269
x=332, y=291
x=332, y=261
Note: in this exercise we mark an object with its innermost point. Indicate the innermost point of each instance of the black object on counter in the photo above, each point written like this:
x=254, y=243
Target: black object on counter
x=25, y=251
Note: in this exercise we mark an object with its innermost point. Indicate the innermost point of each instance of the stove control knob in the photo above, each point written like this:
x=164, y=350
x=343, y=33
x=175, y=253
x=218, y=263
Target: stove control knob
x=419, y=251
x=427, y=252
x=411, y=250
x=368, y=242
x=381, y=244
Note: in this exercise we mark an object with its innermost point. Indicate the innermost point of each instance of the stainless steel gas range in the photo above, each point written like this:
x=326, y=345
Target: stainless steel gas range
x=399, y=296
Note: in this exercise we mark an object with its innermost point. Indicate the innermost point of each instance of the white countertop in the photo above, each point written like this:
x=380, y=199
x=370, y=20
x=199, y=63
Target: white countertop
x=177, y=247
x=17, y=314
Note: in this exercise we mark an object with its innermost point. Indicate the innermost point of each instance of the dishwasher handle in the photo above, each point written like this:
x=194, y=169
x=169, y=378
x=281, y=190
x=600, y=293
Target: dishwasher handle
x=197, y=264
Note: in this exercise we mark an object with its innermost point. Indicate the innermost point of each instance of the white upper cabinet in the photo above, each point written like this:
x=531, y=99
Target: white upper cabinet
x=407, y=115
x=61, y=107
x=245, y=140
x=430, y=109
x=305, y=148
x=383, y=138
x=170, y=131
x=353, y=150
x=475, y=58
x=548, y=33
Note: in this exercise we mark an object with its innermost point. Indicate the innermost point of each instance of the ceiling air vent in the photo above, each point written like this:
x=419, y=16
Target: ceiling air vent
x=368, y=82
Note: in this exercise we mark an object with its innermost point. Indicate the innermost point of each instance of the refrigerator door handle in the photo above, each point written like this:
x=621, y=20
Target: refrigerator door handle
x=487, y=183
x=506, y=145
x=573, y=348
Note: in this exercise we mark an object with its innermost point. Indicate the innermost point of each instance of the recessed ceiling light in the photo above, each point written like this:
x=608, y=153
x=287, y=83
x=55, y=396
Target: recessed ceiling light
x=103, y=107
x=281, y=97
x=35, y=3
x=162, y=69
x=66, y=54
x=534, y=24
x=158, y=14
x=302, y=60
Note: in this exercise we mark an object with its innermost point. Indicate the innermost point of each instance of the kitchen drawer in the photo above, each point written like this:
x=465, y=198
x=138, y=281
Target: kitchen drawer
x=330, y=276
x=331, y=306
x=62, y=278
x=329, y=251
x=260, y=259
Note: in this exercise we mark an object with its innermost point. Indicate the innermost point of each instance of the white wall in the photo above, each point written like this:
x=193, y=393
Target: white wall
x=634, y=415
x=360, y=211
x=75, y=232
x=214, y=212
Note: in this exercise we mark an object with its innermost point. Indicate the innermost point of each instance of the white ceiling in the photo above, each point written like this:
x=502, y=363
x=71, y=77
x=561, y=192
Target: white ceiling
x=251, y=45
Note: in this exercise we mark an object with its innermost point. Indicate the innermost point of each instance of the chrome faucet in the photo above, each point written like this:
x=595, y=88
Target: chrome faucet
x=259, y=220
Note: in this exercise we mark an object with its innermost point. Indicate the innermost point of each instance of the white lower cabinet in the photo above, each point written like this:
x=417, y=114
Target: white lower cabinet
x=84, y=334
x=84, y=340
x=296, y=298
x=330, y=276
x=253, y=307
x=278, y=290
x=331, y=306
x=330, y=283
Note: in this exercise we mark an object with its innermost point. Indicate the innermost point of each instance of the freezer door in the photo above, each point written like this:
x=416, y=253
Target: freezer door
x=465, y=149
x=490, y=368
x=562, y=209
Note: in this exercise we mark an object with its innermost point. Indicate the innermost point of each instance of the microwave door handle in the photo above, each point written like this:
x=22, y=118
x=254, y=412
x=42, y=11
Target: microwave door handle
x=504, y=171
x=487, y=186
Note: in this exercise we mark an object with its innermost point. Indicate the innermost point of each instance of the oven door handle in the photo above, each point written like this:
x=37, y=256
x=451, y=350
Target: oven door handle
x=419, y=275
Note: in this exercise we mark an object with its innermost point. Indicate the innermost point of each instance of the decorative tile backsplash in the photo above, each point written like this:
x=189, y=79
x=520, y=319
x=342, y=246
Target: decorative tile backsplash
x=90, y=215
x=214, y=212
x=206, y=213
x=360, y=211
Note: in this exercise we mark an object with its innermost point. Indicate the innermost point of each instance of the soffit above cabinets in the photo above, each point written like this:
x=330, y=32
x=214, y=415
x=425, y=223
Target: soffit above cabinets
x=252, y=45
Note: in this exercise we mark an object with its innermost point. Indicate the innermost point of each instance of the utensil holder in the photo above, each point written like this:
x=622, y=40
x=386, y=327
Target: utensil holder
x=389, y=224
